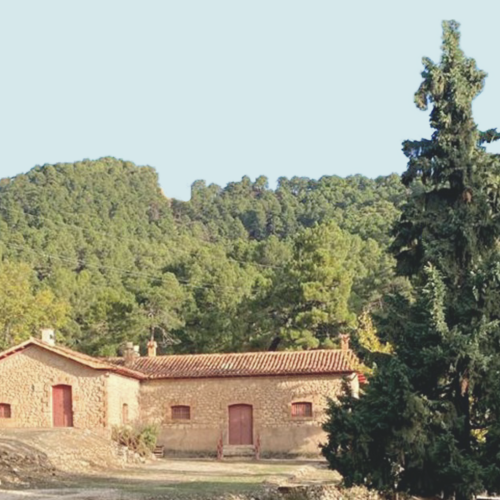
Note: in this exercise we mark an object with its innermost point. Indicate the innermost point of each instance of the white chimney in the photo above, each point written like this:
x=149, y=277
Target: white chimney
x=48, y=336
x=344, y=341
x=152, y=345
x=130, y=353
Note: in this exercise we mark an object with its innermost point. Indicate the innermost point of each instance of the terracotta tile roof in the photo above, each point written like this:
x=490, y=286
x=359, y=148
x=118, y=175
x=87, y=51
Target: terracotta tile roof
x=248, y=364
x=78, y=357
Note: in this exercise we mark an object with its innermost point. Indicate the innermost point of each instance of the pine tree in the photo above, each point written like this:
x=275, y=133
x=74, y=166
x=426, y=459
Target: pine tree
x=427, y=423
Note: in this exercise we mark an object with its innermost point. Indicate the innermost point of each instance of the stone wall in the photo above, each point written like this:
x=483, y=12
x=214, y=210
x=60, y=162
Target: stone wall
x=209, y=399
x=98, y=398
x=26, y=384
x=122, y=391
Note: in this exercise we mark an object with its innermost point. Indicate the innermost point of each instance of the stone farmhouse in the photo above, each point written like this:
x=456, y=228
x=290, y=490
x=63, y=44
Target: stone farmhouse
x=273, y=402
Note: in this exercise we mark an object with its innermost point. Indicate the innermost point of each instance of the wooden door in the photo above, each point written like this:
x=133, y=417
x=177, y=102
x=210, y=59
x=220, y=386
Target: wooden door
x=240, y=424
x=5, y=410
x=62, y=406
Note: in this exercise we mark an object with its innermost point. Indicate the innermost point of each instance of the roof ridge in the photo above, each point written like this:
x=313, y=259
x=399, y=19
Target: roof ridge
x=246, y=353
x=248, y=364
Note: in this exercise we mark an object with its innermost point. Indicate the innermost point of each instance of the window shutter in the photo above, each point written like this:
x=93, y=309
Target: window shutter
x=302, y=409
x=181, y=413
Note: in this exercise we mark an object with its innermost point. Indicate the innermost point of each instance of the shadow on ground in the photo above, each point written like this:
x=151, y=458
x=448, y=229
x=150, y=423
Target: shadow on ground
x=176, y=478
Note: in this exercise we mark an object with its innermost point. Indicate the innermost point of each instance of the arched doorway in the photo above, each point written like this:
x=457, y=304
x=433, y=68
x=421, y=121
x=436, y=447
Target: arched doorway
x=240, y=424
x=62, y=406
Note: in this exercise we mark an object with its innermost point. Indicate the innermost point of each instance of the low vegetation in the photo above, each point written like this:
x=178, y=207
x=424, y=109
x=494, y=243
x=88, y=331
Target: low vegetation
x=139, y=439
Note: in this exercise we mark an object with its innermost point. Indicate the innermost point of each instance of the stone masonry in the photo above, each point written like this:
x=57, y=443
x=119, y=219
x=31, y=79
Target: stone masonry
x=98, y=397
x=266, y=390
x=122, y=391
x=26, y=384
x=271, y=398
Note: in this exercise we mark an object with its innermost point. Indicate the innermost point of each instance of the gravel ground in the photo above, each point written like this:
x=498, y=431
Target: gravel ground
x=178, y=479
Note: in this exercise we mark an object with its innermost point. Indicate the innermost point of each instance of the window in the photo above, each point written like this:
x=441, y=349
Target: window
x=181, y=413
x=302, y=410
x=125, y=414
x=5, y=410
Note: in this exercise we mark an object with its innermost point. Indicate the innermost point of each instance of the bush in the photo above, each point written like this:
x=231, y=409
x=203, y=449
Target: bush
x=141, y=439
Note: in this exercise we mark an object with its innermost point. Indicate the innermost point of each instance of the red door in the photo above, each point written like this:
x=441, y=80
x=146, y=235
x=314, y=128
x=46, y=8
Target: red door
x=240, y=424
x=62, y=406
x=5, y=410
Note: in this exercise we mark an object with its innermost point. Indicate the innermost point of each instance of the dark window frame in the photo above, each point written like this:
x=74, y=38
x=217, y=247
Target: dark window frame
x=302, y=409
x=180, y=412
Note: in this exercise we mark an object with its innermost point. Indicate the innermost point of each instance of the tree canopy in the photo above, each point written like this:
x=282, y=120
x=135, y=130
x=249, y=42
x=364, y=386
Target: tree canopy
x=221, y=272
x=428, y=422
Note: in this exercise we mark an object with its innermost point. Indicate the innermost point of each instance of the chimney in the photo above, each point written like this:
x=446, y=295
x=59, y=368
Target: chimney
x=344, y=342
x=129, y=354
x=48, y=336
x=152, y=345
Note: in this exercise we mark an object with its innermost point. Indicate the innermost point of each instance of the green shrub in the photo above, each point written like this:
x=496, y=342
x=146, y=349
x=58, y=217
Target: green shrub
x=141, y=439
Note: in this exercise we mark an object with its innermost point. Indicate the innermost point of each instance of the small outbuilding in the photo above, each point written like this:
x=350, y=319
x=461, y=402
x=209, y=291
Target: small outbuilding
x=44, y=385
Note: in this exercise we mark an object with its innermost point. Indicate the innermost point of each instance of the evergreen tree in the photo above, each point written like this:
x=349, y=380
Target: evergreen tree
x=317, y=287
x=304, y=303
x=428, y=421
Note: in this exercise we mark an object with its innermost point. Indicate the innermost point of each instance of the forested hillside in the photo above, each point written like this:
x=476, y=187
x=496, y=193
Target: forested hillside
x=96, y=250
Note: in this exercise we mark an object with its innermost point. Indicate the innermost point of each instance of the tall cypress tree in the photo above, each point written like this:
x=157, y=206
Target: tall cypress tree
x=427, y=422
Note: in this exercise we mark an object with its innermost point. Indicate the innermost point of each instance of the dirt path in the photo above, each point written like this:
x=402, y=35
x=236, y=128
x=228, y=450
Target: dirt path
x=178, y=479
x=67, y=494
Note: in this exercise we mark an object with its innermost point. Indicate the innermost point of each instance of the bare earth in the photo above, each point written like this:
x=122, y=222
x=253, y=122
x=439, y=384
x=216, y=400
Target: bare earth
x=177, y=479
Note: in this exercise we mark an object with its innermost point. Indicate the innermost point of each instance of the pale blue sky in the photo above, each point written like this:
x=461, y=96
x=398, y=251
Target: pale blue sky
x=218, y=89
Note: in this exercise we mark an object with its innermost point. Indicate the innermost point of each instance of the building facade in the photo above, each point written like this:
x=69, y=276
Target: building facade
x=271, y=401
